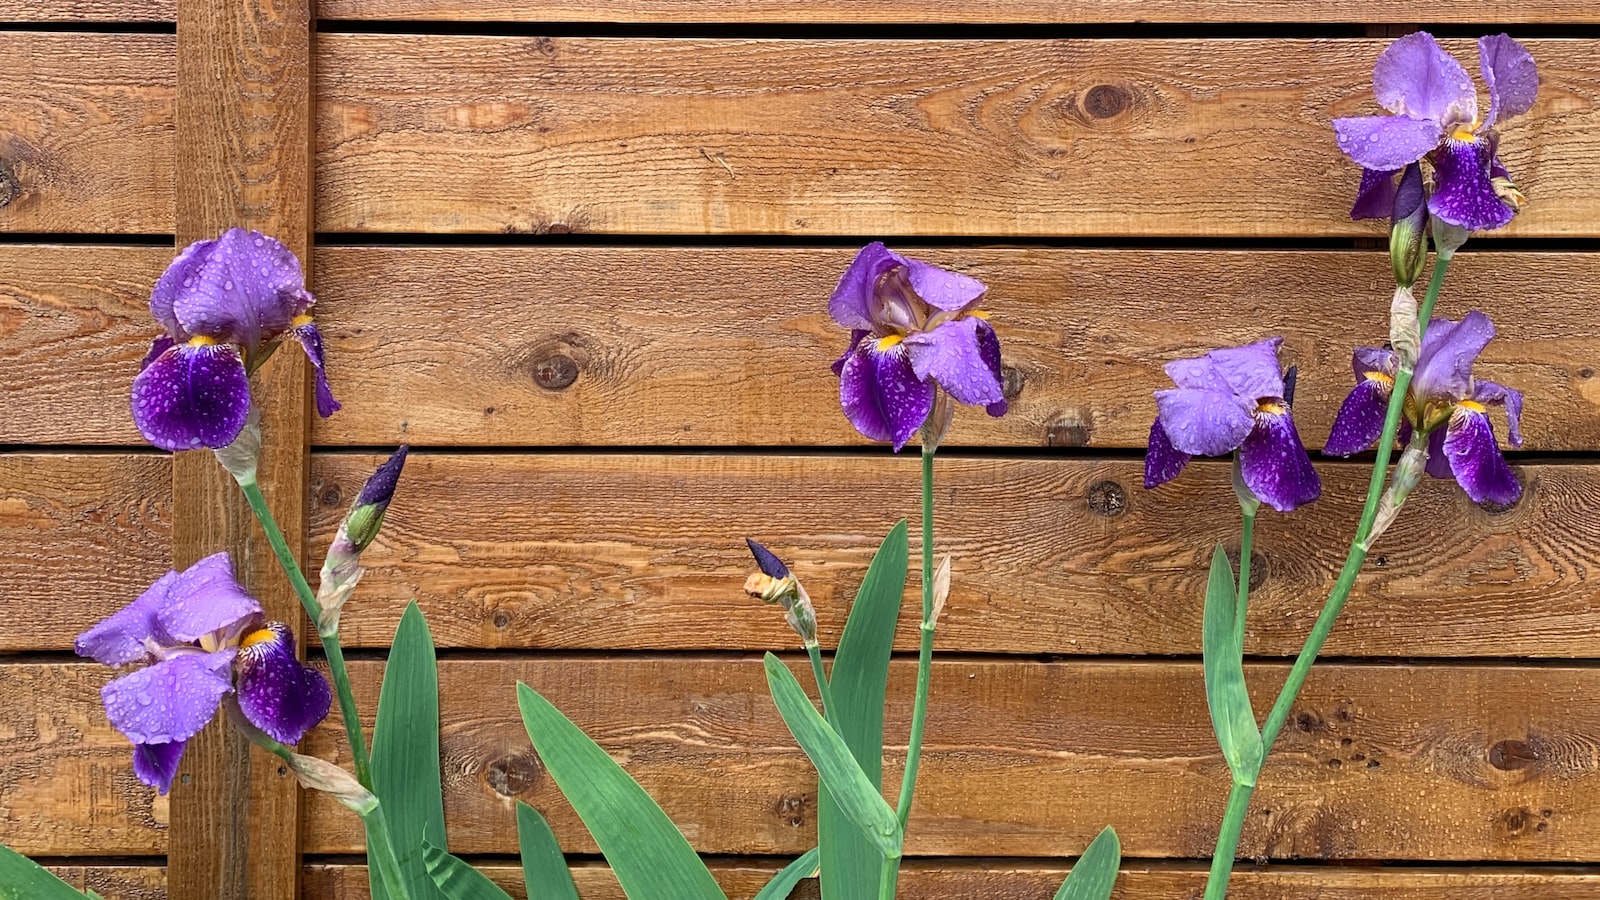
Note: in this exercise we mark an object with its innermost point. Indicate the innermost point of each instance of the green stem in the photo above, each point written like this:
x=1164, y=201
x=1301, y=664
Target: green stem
x=889, y=881
x=330, y=642
x=1239, y=798
x=1247, y=531
x=381, y=855
x=919, y=713
x=824, y=690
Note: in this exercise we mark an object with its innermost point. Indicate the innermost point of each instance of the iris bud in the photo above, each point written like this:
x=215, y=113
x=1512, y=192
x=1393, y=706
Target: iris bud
x=1408, y=229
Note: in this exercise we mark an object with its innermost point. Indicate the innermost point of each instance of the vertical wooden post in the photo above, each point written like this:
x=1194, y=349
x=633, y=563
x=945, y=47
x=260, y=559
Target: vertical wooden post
x=244, y=159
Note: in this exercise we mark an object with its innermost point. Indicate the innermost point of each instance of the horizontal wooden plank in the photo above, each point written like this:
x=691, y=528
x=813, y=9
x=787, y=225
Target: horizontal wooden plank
x=956, y=12
x=81, y=535
x=1032, y=759
x=83, y=11
x=123, y=882
x=1051, y=556
x=87, y=148
x=720, y=346
x=940, y=880
x=1018, y=138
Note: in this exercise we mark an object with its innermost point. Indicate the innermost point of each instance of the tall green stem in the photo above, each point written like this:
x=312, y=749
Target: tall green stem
x=1247, y=532
x=330, y=642
x=824, y=689
x=1239, y=797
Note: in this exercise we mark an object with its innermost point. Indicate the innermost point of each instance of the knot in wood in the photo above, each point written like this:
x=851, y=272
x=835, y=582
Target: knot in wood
x=555, y=372
x=1106, y=101
x=1107, y=498
x=511, y=775
x=331, y=496
x=1509, y=756
x=1010, y=382
x=1068, y=431
x=9, y=188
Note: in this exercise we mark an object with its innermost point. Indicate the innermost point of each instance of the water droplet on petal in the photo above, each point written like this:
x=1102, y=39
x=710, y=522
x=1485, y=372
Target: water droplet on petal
x=143, y=698
x=1371, y=139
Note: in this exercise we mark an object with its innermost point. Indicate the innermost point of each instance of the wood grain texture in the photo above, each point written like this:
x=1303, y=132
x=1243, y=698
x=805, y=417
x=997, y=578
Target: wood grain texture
x=721, y=346
x=244, y=119
x=864, y=137
x=86, y=148
x=74, y=325
x=80, y=11
x=1032, y=759
x=1051, y=556
x=997, y=880
x=121, y=882
x=81, y=535
x=956, y=12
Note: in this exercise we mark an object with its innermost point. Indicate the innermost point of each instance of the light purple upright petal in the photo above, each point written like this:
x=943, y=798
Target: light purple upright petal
x=989, y=347
x=1275, y=466
x=1375, y=197
x=1444, y=367
x=1438, y=466
x=1386, y=142
x=169, y=701
x=1360, y=419
x=1252, y=371
x=883, y=397
x=1162, y=461
x=1511, y=75
x=204, y=599
x=851, y=304
x=157, y=764
x=942, y=288
x=1415, y=77
x=1197, y=373
x=192, y=397
x=277, y=692
x=1476, y=461
x=1492, y=394
x=182, y=274
x=1203, y=423
x=246, y=291
x=1464, y=193
x=311, y=341
x=1367, y=360
x=952, y=356
x=119, y=639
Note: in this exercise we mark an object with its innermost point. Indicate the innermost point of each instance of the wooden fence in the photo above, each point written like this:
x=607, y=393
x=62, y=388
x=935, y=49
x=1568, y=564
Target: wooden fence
x=577, y=253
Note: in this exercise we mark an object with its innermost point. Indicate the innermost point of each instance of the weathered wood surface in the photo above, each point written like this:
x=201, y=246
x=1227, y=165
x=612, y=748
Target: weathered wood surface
x=1016, y=138
x=86, y=148
x=1051, y=556
x=990, y=12
x=697, y=346
x=1010, y=880
x=119, y=882
x=79, y=11
x=1024, y=759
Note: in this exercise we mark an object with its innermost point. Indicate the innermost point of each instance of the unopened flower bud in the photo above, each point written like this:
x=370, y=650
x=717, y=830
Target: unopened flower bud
x=1405, y=333
x=243, y=455
x=1408, y=229
x=775, y=584
x=342, y=569
x=320, y=775
x=1407, y=474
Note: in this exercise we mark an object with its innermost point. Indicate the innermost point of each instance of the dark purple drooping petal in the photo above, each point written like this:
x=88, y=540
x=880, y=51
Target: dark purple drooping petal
x=852, y=302
x=951, y=355
x=242, y=288
x=169, y=701
x=989, y=347
x=157, y=764
x=1444, y=367
x=311, y=341
x=120, y=639
x=1438, y=466
x=205, y=599
x=1386, y=142
x=1489, y=393
x=767, y=561
x=1275, y=466
x=1414, y=76
x=1162, y=461
x=883, y=397
x=856, y=337
x=160, y=345
x=1375, y=197
x=1203, y=423
x=1465, y=194
x=1360, y=419
x=191, y=397
x=1252, y=370
x=1476, y=461
x=277, y=692
x=1511, y=75
x=942, y=288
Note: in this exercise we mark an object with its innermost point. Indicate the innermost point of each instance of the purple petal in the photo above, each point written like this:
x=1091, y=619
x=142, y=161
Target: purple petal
x=1375, y=197
x=182, y=273
x=157, y=347
x=277, y=692
x=1275, y=466
x=951, y=355
x=1369, y=360
x=1444, y=367
x=1465, y=194
x=1490, y=393
x=1162, y=461
x=1415, y=77
x=192, y=396
x=1511, y=75
x=856, y=336
x=851, y=304
x=883, y=397
x=206, y=599
x=1360, y=419
x=119, y=639
x=989, y=347
x=767, y=561
x=243, y=288
x=1197, y=373
x=169, y=701
x=1252, y=370
x=1438, y=466
x=1387, y=142
x=157, y=764
x=1203, y=423
x=943, y=288
x=311, y=341
x=1476, y=461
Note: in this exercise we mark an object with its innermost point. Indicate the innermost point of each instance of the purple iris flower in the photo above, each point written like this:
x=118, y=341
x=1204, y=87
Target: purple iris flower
x=224, y=303
x=1435, y=108
x=1445, y=403
x=914, y=329
x=197, y=636
x=1233, y=399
